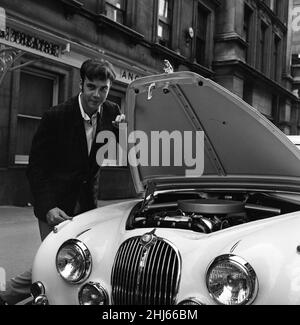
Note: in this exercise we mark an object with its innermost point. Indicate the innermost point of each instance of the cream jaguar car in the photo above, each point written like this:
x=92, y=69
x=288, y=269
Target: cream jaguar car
x=227, y=236
x=295, y=139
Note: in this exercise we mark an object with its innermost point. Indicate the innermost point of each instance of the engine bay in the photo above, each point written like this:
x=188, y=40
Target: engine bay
x=208, y=212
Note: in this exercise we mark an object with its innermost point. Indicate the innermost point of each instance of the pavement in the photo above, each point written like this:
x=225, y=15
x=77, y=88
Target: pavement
x=12, y=214
x=20, y=239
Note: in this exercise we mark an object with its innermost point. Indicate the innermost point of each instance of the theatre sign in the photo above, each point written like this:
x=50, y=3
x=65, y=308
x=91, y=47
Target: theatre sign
x=17, y=39
x=29, y=41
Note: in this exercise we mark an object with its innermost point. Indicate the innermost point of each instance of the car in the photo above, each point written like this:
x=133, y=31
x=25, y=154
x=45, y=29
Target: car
x=225, y=232
x=295, y=139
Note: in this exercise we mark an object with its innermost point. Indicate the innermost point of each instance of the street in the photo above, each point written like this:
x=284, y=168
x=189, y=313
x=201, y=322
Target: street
x=19, y=239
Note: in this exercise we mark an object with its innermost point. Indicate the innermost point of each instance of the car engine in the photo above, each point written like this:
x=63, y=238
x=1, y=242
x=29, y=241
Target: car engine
x=207, y=212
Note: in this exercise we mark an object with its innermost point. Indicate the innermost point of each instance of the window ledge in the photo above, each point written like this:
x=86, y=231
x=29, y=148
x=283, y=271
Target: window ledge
x=287, y=77
x=158, y=48
x=71, y=7
x=180, y=59
x=231, y=37
x=73, y=3
x=201, y=69
x=104, y=21
x=253, y=73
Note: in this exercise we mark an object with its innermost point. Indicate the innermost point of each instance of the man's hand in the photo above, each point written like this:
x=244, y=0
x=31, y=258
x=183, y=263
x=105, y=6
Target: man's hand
x=56, y=216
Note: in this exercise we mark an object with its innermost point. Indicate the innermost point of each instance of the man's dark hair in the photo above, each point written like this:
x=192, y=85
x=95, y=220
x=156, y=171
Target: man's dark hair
x=95, y=69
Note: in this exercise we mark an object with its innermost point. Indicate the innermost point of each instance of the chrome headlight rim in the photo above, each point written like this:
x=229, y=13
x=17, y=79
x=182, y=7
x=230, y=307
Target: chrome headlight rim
x=37, y=288
x=239, y=262
x=195, y=302
x=98, y=287
x=87, y=258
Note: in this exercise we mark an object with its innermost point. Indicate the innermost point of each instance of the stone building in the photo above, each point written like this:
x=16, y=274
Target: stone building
x=295, y=27
x=242, y=45
x=252, y=57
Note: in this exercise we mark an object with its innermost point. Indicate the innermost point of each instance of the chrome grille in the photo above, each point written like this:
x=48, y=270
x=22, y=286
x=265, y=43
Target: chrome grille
x=145, y=274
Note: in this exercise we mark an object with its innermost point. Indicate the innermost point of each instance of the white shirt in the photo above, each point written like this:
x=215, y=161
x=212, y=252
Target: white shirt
x=90, y=124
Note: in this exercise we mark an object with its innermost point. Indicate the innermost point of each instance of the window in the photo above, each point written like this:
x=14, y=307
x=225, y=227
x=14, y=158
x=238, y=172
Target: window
x=116, y=10
x=38, y=92
x=276, y=58
x=276, y=104
x=263, y=35
x=248, y=92
x=275, y=6
x=165, y=14
x=247, y=29
x=272, y=4
x=201, y=34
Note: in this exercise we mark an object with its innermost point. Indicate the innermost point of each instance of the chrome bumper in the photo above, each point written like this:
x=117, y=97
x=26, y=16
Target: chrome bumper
x=39, y=294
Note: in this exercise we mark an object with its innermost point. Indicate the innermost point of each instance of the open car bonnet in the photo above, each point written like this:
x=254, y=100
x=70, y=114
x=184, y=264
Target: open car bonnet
x=239, y=142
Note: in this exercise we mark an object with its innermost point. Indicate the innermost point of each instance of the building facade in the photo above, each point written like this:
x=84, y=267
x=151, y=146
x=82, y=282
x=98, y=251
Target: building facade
x=252, y=57
x=244, y=45
x=295, y=27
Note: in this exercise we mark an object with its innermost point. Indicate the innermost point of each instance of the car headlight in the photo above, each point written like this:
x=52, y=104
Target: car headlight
x=73, y=261
x=231, y=280
x=93, y=294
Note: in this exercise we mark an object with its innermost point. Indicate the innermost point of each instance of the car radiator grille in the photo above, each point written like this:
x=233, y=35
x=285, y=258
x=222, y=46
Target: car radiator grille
x=146, y=274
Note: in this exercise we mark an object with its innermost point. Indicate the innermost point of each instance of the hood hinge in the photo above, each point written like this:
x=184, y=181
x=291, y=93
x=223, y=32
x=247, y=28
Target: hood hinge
x=149, y=195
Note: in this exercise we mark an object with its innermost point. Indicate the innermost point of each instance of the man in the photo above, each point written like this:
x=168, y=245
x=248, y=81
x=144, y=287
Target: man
x=63, y=171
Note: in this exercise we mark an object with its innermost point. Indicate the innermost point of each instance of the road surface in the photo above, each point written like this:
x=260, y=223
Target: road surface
x=19, y=239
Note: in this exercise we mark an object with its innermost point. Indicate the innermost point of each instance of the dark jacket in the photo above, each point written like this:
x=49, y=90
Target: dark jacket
x=60, y=172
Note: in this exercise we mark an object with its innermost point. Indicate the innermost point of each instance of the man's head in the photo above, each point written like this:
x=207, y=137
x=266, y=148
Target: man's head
x=96, y=79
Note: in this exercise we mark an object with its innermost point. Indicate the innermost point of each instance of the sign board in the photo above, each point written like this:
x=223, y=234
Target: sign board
x=125, y=75
x=25, y=38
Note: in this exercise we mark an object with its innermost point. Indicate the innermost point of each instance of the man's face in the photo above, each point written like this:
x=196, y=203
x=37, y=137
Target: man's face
x=94, y=94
